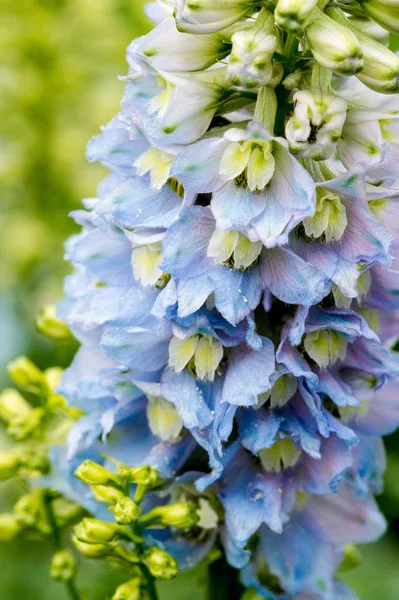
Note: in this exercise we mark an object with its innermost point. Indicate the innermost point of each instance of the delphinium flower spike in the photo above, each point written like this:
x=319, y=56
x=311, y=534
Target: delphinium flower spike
x=235, y=295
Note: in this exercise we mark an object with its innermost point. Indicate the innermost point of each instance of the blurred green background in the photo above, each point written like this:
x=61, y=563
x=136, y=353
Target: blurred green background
x=58, y=84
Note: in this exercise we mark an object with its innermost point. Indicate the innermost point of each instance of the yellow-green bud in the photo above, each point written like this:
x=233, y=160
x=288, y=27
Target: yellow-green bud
x=12, y=405
x=10, y=463
x=9, y=527
x=160, y=564
x=26, y=424
x=63, y=566
x=35, y=462
x=126, y=511
x=294, y=15
x=94, y=474
x=66, y=512
x=181, y=515
x=94, y=531
x=53, y=377
x=129, y=591
x=325, y=346
x=30, y=511
x=49, y=325
x=107, y=494
x=333, y=45
x=27, y=376
x=144, y=475
x=91, y=550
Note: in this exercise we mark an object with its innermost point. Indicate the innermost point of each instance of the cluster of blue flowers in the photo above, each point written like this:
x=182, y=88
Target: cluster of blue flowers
x=235, y=291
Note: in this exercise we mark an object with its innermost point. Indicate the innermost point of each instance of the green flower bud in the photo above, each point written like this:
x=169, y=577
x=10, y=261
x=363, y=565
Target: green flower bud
x=9, y=527
x=294, y=15
x=107, y=494
x=381, y=66
x=181, y=515
x=325, y=346
x=384, y=13
x=126, y=511
x=53, y=377
x=160, y=564
x=129, y=591
x=47, y=323
x=370, y=28
x=10, y=463
x=91, y=550
x=30, y=511
x=24, y=425
x=66, y=512
x=63, y=566
x=27, y=376
x=144, y=475
x=35, y=462
x=333, y=45
x=94, y=531
x=94, y=474
x=12, y=405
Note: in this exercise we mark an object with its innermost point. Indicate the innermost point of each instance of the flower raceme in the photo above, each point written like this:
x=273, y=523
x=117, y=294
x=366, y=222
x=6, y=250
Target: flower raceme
x=235, y=294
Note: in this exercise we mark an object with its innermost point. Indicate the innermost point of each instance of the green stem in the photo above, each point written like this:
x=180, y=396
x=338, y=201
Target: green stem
x=57, y=541
x=151, y=589
x=290, y=50
x=72, y=590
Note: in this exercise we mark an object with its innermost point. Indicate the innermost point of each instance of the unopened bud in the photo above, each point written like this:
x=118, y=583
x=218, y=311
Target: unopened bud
x=9, y=527
x=35, y=462
x=94, y=474
x=49, y=325
x=160, y=564
x=129, y=591
x=181, y=515
x=207, y=16
x=250, y=63
x=383, y=12
x=143, y=475
x=91, y=550
x=63, y=566
x=94, y=531
x=370, y=28
x=126, y=511
x=53, y=377
x=27, y=376
x=10, y=463
x=26, y=424
x=66, y=512
x=294, y=15
x=381, y=66
x=30, y=511
x=107, y=494
x=12, y=405
x=333, y=45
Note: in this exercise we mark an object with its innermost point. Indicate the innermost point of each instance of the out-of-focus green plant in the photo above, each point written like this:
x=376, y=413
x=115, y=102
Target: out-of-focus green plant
x=57, y=79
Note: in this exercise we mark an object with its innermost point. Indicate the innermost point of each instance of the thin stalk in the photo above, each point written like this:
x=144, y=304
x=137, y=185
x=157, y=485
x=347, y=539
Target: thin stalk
x=57, y=542
x=151, y=589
